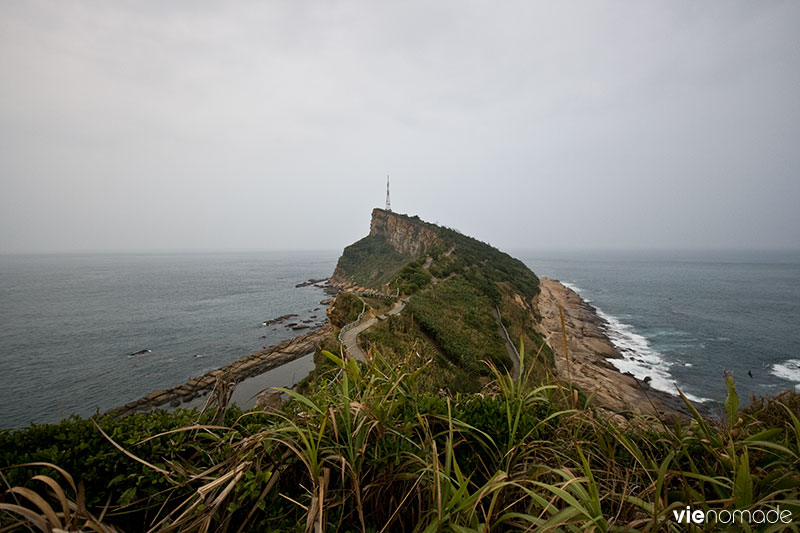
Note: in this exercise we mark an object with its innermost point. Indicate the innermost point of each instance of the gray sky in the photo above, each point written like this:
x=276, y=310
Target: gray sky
x=255, y=125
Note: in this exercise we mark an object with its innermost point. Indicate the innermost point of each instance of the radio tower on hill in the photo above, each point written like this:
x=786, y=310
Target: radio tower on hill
x=388, y=202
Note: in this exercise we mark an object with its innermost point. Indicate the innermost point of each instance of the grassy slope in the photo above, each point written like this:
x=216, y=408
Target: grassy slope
x=459, y=318
x=371, y=262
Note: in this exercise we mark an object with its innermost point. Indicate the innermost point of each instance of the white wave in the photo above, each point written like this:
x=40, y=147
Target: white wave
x=576, y=289
x=788, y=370
x=638, y=356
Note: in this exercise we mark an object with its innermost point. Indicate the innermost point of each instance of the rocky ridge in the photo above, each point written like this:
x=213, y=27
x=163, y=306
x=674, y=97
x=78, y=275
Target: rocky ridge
x=251, y=365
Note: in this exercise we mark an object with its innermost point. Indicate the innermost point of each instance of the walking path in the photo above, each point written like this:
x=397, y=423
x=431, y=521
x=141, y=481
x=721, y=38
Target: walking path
x=350, y=337
x=349, y=333
x=513, y=354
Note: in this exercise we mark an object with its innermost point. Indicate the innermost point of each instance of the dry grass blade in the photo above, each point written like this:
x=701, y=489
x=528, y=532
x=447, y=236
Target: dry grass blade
x=36, y=519
x=59, y=492
x=57, y=468
x=47, y=511
x=193, y=427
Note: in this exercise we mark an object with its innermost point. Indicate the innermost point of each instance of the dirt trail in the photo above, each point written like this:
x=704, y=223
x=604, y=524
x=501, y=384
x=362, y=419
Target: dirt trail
x=510, y=348
x=350, y=337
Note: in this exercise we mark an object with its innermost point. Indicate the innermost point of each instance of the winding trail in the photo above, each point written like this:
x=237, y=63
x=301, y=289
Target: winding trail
x=513, y=354
x=349, y=333
x=350, y=337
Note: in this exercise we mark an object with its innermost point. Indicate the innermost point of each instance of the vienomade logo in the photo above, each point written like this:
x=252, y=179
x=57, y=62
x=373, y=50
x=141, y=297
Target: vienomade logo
x=725, y=517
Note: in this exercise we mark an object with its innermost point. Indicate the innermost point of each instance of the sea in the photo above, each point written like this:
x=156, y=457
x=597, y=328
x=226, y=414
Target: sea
x=69, y=323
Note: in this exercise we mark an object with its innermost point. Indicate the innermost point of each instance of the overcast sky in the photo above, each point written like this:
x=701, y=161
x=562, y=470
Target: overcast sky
x=272, y=125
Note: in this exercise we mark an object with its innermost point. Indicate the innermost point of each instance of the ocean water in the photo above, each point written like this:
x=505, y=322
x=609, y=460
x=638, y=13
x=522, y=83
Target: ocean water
x=68, y=323
x=685, y=318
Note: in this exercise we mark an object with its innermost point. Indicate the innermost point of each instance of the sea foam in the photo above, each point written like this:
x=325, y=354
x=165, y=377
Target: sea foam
x=788, y=370
x=638, y=356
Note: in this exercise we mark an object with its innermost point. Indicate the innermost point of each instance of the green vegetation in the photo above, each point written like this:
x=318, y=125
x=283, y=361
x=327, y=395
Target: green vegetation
x=412, y=277
x=345, y=309
x=456, y=284
x=371, y=262
x=401, y=341
x=368, y=451
x=460, y=320
x=483, y=265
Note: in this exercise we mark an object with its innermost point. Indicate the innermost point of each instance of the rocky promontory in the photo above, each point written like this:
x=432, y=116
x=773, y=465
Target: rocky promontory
x=438, y=269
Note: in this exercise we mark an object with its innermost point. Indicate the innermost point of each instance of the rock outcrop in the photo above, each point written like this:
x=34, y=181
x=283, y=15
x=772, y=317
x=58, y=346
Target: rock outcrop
x=393, y=241
x=409, y=236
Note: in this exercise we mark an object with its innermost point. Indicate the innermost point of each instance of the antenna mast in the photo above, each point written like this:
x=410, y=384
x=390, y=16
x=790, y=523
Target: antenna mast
x=388, y=202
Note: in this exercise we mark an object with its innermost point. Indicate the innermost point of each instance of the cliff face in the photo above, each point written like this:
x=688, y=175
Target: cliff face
x=409, y=236
x=393, y=241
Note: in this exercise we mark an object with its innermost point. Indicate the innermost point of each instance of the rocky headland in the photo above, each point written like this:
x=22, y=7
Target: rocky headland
x=399, y=245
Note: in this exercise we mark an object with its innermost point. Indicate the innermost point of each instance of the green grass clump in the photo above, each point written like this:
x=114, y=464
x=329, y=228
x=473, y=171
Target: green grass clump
x=401, y=341
x=412, y=277
x=345, y=309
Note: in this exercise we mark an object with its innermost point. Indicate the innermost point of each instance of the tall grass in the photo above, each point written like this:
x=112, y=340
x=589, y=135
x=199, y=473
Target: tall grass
x=369, y=452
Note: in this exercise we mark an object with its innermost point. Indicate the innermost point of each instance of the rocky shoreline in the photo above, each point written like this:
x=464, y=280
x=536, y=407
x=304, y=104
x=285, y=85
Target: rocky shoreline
x=589, y=348
x=249, y=366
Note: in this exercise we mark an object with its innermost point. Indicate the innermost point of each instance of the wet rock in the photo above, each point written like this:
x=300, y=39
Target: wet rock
x=590, y=352
x=310, y=282
x=268, y=400
x=278, y=320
